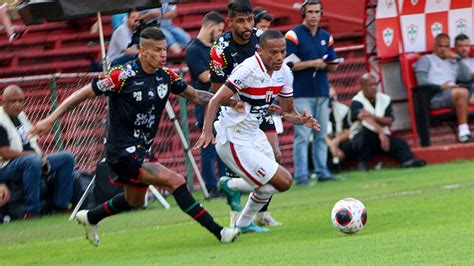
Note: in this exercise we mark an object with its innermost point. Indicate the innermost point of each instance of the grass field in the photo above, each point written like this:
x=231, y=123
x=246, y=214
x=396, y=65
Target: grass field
x=415, y=216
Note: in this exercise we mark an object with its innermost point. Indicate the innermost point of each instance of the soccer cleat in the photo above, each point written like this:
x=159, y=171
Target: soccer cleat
x=234, y=215
x=229, y=234
x=252, y=228
x=233, y=197
x=265, y=219
x=91, y=230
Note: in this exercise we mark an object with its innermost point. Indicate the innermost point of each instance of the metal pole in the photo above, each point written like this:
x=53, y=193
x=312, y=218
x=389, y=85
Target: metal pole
x=172, y=117
x=102, y=42
x=79, y=204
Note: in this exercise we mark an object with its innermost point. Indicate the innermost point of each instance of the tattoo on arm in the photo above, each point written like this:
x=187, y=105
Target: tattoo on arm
x=196, y=96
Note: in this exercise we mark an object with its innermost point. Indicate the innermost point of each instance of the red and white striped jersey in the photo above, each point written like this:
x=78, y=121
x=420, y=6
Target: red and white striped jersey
x=254, y=86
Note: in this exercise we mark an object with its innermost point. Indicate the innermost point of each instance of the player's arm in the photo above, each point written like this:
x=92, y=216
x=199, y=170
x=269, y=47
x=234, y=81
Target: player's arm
x=44, y=126
x=290, y=114
x=222, y=95
x=203, y=97
x=215, y=86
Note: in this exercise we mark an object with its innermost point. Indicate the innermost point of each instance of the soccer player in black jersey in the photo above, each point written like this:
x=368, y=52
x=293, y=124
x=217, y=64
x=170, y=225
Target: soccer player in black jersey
x=138, y=92
x=231, y=49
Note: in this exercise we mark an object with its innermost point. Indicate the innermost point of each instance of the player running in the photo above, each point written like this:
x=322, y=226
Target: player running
x=257, y=82
x=231, y=49
x=138, y=92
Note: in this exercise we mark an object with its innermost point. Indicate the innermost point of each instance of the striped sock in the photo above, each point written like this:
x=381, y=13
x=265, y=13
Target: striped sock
x=113, y=206
x=255, y=203
x=194, y=209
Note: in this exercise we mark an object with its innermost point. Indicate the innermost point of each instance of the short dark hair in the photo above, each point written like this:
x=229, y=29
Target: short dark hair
x=310, y=3
x=131, y=10
x=261, y=14
x=461, y=37
x=442, y=35
x=239, y=6
x=152, y=33
x=213, y=17
x=269, y=35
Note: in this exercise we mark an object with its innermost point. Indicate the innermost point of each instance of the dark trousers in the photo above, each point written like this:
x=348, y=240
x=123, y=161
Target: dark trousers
x=366, y=143
x=346, y=148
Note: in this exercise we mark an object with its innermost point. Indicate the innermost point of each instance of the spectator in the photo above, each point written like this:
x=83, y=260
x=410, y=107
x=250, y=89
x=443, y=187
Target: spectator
x=463, y=49
x=118, y=52
x=176, y=38
x=21, y=158
x=372, y=115
x=118, y=19
x=337, y=138
x=4, y=194
x=314, y=47
x=443, y=70
x=198, y=58
x=262, y=19
x=7, y=24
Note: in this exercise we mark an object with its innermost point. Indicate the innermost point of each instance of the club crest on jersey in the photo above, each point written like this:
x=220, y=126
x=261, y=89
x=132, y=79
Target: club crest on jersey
x=162, y=90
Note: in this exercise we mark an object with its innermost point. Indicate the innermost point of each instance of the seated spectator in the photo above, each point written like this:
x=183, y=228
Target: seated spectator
x=198, y=58
x=118, y=52
x=21, y=158
x=4, y=194
x=463, y=49
x=337, y=138
x=371, y=115
x=5, y=20
x=442, y=69
x=176, y=38
x=262, y=19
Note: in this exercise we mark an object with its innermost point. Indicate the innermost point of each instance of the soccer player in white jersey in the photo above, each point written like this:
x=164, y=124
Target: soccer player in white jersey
x=240, y=143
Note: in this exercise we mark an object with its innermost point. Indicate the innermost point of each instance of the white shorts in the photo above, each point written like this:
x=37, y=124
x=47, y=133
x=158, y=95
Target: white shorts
x=256, y=164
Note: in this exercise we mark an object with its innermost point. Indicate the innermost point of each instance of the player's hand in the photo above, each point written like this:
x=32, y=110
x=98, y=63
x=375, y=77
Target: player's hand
x=204, y=140
x=238, y=105
x=4, y=195
x=384, y=142
x=309, y=121
x=41, y=128
x=274, y=109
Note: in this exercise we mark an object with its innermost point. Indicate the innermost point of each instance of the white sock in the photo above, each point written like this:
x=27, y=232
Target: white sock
x=463, y=130
x=239, y=184
x=255, y=203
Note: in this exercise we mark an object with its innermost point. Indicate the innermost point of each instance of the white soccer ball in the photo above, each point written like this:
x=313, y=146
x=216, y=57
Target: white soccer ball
x=349, y=215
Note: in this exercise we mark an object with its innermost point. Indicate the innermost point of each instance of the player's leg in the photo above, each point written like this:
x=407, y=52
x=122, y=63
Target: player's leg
x=263, y=217
x=158, y=175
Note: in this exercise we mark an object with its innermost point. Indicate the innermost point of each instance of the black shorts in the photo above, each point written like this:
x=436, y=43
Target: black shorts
x=268, y=126
x=126, y=169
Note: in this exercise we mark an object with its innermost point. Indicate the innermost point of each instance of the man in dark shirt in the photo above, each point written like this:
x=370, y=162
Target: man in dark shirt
x=372, y=115
x=231, y=49
x=138, y=92
x=21, y=159
x=197, y=58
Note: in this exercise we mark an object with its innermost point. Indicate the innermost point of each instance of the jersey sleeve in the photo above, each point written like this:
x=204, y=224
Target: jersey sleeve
x=177, y=83
x=287, y=90
x=331, y=52
x=112, y=82
x=220, y=66
x=291, y=42
x=240, y=79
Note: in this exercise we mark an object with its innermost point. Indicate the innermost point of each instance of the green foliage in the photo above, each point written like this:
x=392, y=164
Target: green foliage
x=415, y=216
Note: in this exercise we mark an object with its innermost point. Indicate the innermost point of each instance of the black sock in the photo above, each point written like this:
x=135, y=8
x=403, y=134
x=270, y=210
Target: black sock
x=265, y=207
x=113, y=206
x=194, y=209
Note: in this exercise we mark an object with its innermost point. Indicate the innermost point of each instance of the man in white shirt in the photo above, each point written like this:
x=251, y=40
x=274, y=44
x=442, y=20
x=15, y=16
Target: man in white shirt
x=121, y=37
x=441, y=68
x=463, y=49
x=241, y=145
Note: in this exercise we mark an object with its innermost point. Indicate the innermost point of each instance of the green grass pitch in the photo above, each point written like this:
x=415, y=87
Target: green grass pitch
x=415, y=216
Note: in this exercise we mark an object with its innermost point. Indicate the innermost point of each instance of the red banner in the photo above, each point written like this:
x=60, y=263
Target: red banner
x=455, y=4
x=436, y=23
x=388, y=37
x=411, y=7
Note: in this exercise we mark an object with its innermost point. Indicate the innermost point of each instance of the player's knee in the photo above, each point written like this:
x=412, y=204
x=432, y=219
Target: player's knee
x=176, y=181
x=460, y=93
x=135, y=202
x=286, y=184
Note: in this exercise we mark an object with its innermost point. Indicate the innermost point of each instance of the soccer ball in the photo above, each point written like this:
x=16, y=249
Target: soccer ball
x=349, y=215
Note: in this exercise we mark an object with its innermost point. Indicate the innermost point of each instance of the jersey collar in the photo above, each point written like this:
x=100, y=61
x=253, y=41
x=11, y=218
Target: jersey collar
x=260, y=63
